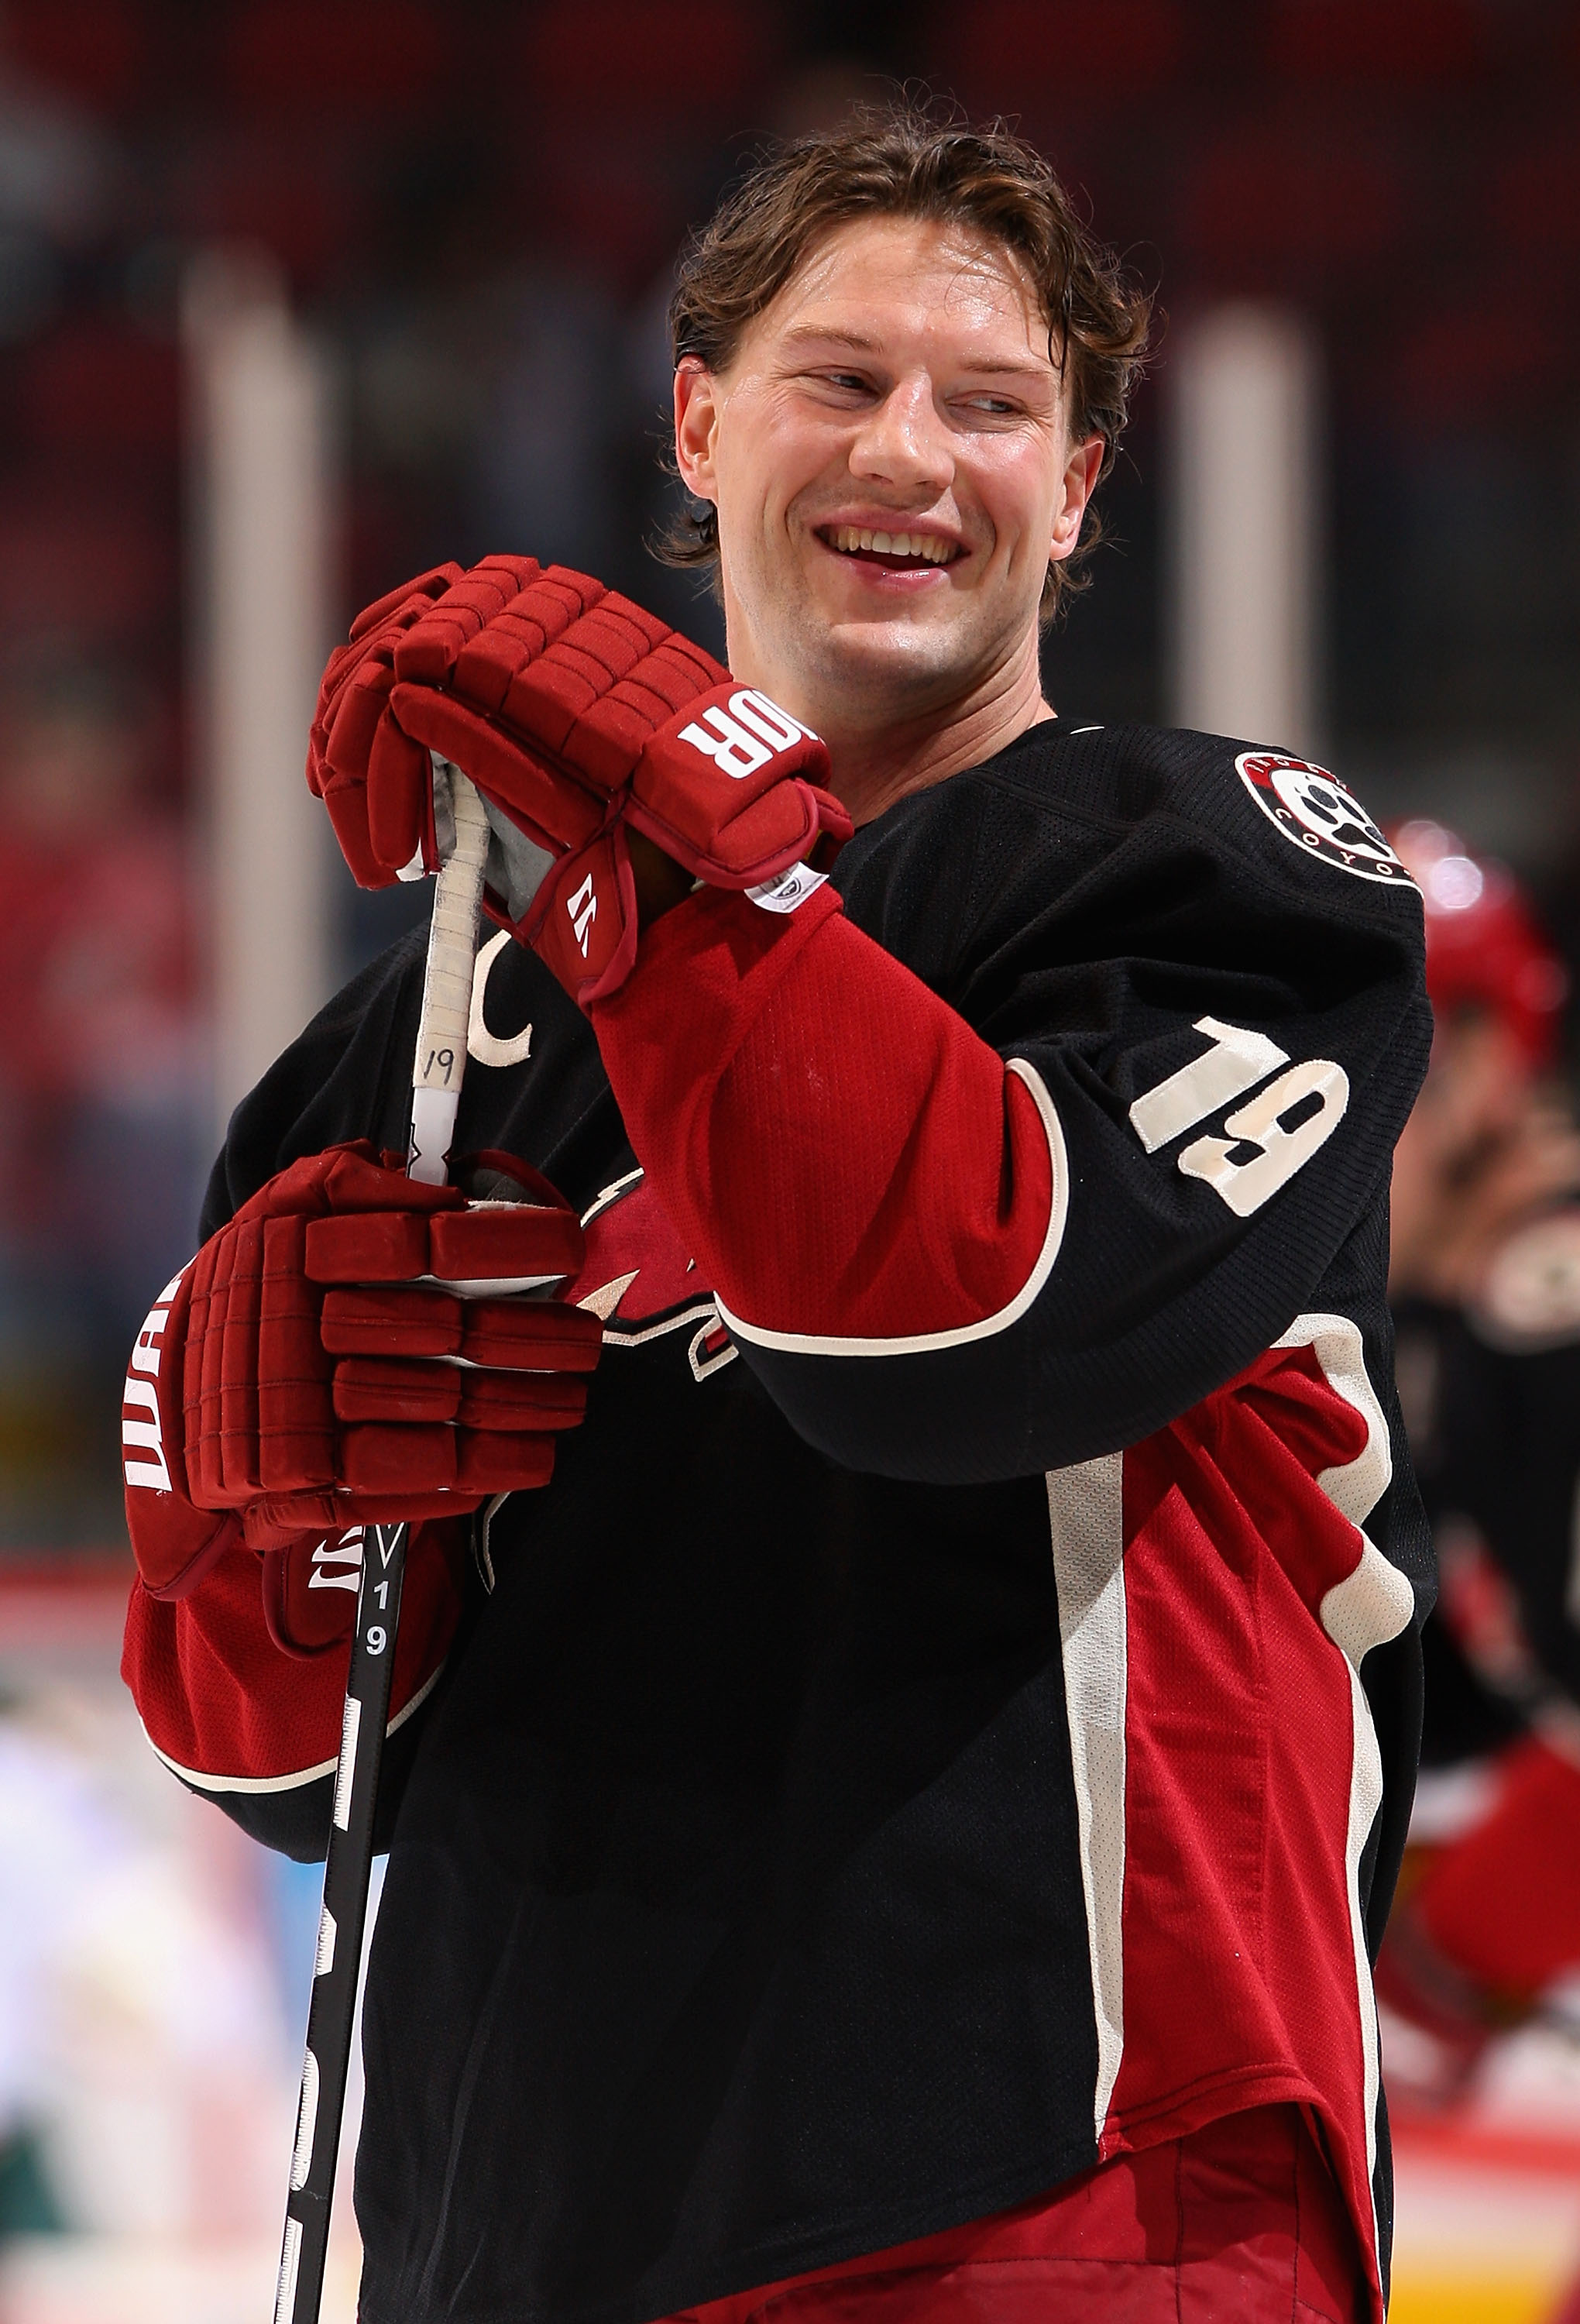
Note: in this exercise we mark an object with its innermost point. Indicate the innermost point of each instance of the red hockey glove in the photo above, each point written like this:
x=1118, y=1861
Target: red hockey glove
x=309, y=1583
x=382, y=826
x=314, y=1367
x=576, y=713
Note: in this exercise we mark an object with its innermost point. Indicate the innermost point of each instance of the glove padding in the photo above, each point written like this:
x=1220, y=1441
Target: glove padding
x=309, y=1585
x=577, y=714
x=351, y=699
x=312, y=1367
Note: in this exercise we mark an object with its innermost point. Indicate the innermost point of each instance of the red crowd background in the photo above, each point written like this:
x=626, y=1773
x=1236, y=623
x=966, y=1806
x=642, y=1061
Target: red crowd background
x=477, y=211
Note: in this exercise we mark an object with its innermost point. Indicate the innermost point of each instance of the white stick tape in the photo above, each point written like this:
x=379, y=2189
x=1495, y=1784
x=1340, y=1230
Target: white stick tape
x=301, y=2161
x=446, y=993
x=290, y=2257
x=350, y=1725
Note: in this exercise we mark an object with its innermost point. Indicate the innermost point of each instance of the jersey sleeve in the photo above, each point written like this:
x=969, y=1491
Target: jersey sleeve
x=1024, y=1213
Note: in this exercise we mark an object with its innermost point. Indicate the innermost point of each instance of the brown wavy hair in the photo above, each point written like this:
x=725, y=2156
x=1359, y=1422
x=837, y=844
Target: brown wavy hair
x=903, y=160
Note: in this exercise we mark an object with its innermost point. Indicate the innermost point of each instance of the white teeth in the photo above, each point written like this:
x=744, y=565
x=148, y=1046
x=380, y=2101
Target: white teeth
x=850, y=537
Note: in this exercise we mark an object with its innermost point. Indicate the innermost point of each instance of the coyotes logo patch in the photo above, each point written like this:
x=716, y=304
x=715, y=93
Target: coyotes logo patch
x=1319, y=814
x=638, y=1281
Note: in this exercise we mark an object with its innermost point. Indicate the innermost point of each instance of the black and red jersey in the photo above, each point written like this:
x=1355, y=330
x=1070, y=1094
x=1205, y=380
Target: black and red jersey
x=952, y=1716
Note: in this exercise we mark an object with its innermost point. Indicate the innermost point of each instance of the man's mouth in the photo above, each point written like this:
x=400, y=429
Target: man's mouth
x=892, y=552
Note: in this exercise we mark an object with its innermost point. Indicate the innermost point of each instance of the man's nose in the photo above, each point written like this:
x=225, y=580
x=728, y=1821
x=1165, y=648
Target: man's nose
x=904, y=441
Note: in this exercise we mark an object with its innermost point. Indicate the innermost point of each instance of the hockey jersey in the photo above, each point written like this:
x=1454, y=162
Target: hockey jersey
x=951, y=1718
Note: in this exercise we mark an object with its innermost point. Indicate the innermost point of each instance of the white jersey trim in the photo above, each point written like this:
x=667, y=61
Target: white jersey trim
x=921, y=1343
x=201, y=1781
x=1365, y=1799
x=1370, y=1605
x=1355, y=1487
x=1086, y=1517
x=617, y=1335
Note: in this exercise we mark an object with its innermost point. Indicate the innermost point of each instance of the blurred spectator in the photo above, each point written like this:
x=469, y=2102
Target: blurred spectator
x=57, y=175
x=543, y=474
x=1485, y=1282
x=99, y=1074
x=1491, y=1141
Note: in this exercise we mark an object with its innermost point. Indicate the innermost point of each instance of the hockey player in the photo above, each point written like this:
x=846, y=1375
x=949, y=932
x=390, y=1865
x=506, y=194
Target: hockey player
x=897, y=1821
x=1485, y=1282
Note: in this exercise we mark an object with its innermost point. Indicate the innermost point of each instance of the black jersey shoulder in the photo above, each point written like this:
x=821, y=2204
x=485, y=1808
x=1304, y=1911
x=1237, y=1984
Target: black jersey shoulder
x=1083, y=872
x=1102, y=907
x=1039, y=817
x=1289, y=816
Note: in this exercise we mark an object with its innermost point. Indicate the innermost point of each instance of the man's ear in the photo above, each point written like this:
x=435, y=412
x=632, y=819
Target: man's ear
x=696, y=426
x=1080, y=477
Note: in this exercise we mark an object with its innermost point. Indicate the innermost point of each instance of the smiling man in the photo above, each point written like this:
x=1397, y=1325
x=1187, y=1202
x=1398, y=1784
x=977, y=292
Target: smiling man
x=897, y=1821
x=898, y=469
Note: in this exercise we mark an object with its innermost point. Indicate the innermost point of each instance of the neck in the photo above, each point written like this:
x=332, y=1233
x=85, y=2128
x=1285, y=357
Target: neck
x=879, y=756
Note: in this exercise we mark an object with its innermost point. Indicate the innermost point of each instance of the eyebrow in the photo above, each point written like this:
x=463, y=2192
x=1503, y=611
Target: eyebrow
x=804, y=334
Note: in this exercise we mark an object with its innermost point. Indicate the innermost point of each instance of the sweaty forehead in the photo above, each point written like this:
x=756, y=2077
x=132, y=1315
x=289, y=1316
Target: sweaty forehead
x=886, y=278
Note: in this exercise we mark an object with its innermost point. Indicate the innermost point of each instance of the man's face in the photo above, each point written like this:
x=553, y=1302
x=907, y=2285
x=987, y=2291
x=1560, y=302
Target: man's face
x=889, y=457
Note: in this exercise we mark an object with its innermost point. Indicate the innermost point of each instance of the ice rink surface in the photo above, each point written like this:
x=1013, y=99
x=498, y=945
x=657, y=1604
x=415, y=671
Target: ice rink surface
x=1489, y=2195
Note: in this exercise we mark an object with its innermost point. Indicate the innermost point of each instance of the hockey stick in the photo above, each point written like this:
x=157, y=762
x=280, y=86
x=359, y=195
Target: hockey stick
x=438, y=1069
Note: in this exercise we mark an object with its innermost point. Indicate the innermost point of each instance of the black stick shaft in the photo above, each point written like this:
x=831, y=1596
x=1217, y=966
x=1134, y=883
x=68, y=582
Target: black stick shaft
x=346, y=1875
x=440, y=1062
